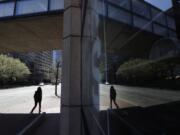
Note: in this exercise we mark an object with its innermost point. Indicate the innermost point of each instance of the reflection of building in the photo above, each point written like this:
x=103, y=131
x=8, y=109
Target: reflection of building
x=136, y=25
x=39, y=63
x=176, y=9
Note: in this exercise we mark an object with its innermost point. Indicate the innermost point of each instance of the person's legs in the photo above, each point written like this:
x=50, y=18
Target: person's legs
x=111, y=103
x=114, y=100
x=34, y=107
x=40, y=107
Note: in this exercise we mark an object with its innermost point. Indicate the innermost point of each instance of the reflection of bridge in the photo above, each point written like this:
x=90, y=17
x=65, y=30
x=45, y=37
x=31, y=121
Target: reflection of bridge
x=132, y=26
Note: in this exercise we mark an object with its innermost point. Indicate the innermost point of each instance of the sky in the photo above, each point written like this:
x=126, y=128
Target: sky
x=162, y=4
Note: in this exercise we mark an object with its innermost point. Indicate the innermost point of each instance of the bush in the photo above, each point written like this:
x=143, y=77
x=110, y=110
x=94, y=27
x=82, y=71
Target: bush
x=12, y=70
x=142, y=70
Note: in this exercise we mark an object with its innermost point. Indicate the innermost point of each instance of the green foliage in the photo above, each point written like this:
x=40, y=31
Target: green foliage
x=142, y=69
x=132, y=63
x=12, y=70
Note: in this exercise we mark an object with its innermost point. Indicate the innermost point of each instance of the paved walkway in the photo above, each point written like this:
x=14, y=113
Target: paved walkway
x=137, y=96
x=20, y=100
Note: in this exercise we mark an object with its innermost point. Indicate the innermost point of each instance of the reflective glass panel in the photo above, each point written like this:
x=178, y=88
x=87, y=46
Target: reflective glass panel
x=56, y=4
x=31, y=6
x=6, y=9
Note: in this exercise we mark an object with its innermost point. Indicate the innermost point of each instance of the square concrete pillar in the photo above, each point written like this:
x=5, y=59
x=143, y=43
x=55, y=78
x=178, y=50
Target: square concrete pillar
x=71, y=72
x=71, y=76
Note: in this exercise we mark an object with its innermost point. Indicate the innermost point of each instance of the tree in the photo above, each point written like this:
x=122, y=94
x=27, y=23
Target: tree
x=146, y=70
x=12, y=70
x=137, y=70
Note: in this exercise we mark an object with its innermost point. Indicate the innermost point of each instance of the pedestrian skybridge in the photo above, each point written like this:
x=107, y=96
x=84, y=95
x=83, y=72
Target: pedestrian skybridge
x=31, y=25
x=37, y=25
x=15, y=8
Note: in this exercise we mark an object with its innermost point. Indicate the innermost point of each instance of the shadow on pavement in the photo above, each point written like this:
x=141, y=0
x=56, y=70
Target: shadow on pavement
x=161, y=119
x=13, y=124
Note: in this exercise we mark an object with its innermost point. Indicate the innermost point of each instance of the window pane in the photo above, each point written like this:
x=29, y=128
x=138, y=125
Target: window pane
x=31, y=6
x=141, y=8
x=158, y=16
x=171, y=23
x=6, y=9
x=123, y=3
x=56, y=4
x=160, y=30
x=142, y=23
x=172, y=34
x=119, y=15
x=129, y=71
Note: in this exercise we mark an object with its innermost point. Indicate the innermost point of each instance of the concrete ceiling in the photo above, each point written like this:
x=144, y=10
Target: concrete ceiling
x=40, y=33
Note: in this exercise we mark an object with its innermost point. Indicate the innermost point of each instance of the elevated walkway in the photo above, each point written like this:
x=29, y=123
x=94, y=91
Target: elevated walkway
x=27, y=26
x=31, y=25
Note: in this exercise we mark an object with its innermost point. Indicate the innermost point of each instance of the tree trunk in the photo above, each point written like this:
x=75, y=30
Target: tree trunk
x=57, y=76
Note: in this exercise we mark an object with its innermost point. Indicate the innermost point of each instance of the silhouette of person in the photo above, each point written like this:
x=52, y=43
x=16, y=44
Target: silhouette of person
x=113, y=97
x=37, y=99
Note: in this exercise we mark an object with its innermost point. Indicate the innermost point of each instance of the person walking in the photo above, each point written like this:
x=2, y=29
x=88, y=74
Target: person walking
x=37, y=99
x=113, y=97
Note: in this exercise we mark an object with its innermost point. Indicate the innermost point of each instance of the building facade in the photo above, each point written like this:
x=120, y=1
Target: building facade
x=176, y=13
x=39, y=63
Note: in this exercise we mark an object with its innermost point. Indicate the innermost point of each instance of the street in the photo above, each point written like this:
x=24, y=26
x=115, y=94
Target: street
x=137, y=96
x=20, y=100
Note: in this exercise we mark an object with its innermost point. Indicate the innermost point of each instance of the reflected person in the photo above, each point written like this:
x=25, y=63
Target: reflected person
x=37, y=99
x=113, y=97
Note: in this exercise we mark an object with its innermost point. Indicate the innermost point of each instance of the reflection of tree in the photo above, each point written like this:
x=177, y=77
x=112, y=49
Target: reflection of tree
x=140, y=69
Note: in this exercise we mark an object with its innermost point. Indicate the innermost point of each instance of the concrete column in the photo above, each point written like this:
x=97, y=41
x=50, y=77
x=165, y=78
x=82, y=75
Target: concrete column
x=71, y=72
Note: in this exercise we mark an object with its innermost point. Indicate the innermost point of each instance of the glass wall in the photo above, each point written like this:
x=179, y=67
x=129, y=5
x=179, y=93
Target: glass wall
x=11, y=8
x=31, y=6
x=56, y=4
x=6, y=9
x=130, y=69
